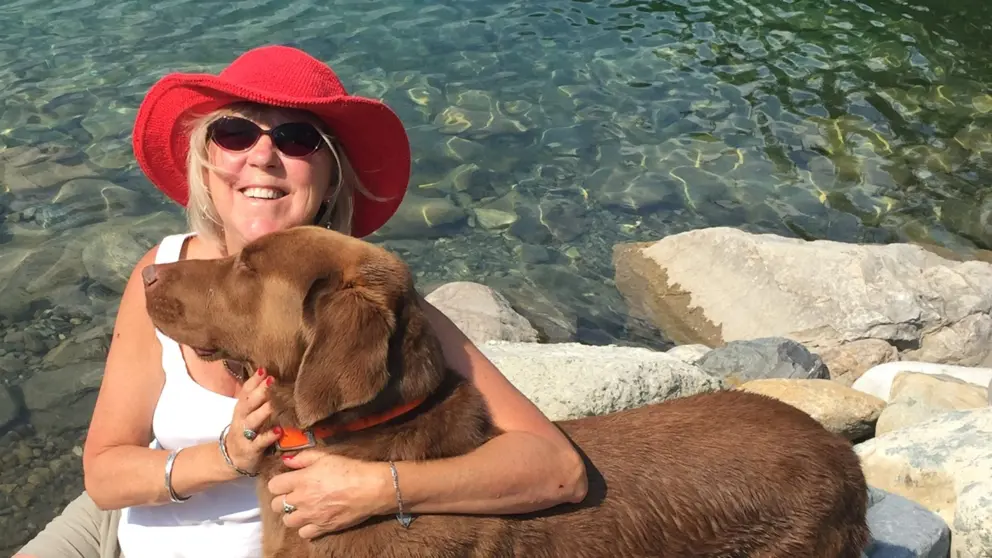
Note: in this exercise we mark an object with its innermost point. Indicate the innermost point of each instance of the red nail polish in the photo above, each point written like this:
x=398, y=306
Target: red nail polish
x=287, y=457
x=260, y=372
x=269, y=381
x=277, y=431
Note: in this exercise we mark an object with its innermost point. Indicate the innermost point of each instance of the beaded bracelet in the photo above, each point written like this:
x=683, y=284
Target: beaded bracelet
x=221, y=441
x=169, y=462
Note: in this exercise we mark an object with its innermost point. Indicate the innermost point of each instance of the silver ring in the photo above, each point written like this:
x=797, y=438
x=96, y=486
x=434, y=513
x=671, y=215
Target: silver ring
x=249, y=433
x=287, y=507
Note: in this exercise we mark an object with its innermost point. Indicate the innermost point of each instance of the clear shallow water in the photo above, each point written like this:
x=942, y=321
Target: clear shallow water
x=544, y=133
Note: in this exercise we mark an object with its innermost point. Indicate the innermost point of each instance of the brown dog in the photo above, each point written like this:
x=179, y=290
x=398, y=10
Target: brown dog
x=337, y=322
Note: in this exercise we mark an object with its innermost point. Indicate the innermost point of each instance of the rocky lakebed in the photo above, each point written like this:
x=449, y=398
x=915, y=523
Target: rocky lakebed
x=889, y=346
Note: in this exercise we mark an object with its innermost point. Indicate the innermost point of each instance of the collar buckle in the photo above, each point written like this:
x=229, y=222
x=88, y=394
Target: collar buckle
x=310, y=442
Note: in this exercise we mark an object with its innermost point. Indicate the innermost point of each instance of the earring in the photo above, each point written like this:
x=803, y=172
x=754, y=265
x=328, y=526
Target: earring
x=322, y=214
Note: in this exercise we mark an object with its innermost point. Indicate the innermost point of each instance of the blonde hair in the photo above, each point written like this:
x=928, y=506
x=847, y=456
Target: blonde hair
x=201, y=214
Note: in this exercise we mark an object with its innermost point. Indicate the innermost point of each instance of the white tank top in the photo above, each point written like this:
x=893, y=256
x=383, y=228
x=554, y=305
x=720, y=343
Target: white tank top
x=222, y=521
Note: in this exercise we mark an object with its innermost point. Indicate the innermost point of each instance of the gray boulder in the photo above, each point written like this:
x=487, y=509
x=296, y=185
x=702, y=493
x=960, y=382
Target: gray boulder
x=770, y=357
x=901, y=528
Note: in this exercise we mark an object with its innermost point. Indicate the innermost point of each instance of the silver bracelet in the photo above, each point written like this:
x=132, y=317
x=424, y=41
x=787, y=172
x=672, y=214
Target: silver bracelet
x=223, y=451
x=168, y=477
x=404, y=519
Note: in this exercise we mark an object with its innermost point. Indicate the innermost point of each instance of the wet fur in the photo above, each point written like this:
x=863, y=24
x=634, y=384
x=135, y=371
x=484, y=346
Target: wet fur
x=337, y=322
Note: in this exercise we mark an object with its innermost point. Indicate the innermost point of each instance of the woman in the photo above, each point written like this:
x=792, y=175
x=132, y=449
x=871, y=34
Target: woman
x=272, y=142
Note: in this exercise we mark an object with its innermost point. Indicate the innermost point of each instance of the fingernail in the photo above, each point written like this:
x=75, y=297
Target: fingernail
x=260, y=372
x=269, y=380
x=287, y=457
x=277, y=431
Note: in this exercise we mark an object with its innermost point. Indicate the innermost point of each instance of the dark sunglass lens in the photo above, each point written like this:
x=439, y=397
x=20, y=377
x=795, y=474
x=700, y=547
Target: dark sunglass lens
x=235, y=134
x=296, y=139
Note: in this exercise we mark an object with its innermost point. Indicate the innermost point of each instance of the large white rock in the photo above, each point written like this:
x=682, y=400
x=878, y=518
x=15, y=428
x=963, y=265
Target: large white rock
x=944, y=464
x=877, y=380
x=917, y=398
x=482, y=313
x=571, y=380
x=721, y=284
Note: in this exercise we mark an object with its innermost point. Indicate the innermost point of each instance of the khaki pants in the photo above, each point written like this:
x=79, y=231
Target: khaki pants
x=82, y=530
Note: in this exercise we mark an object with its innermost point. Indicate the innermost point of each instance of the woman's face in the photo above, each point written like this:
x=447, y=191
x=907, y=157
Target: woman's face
x=264, y=189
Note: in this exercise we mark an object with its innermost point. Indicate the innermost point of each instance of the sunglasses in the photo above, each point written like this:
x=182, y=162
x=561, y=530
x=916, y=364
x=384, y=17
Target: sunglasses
x=294, y=139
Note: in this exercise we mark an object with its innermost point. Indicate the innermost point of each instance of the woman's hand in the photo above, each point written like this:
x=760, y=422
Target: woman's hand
x=331, y=492
x=250, y=413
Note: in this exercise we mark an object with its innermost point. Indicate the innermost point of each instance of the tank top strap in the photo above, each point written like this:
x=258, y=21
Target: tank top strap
x=169, y=250
x=171, y=247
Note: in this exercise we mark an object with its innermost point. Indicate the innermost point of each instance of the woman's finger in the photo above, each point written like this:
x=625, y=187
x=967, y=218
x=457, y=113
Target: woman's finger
x=279, y=499
x=257, y=418
x=254, y=398
x=294, y=520
x=253, y=380
x=309, y=531
x=267, y=438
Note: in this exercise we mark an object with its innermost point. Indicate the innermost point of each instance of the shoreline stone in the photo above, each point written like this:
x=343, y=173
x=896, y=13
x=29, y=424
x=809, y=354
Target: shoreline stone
x=768, y=357
x=943, y=464
x=849, y=361
x=481, y=312
x=878, y=380
x=570, y=380
x=717, y=285
x=902, y=528
x=10, y=408
x=918, y=397
x=838, y=408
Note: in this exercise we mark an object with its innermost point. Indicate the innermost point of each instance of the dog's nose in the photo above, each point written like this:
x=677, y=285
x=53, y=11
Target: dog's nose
x=149, y=274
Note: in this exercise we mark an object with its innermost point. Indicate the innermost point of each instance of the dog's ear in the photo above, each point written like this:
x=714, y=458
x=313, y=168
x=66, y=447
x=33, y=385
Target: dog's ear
x=345, y=363
x=420, y=361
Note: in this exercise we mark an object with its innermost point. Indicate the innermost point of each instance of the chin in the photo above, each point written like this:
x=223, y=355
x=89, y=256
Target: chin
x=259, y=229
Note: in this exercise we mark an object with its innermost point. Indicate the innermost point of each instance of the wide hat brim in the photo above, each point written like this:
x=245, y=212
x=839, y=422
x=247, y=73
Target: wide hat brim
x=371, y=134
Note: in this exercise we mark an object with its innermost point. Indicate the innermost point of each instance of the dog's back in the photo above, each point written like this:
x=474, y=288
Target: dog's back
x=722, y=474
x=727, y=474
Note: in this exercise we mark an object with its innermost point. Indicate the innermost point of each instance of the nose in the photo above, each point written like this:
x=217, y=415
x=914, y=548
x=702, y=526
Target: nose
x=149, y=274
x=263, y=153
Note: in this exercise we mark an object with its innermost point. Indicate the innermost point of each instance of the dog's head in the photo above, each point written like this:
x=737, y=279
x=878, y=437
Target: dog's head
x=336, y=320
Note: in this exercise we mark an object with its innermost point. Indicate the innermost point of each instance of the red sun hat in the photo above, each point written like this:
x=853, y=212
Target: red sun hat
x=371, y=134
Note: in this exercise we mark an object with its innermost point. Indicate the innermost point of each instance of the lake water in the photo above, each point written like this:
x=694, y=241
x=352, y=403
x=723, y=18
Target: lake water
x=544, y=133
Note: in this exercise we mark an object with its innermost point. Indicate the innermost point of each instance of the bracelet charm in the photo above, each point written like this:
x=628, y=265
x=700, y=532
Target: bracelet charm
x=404, y=519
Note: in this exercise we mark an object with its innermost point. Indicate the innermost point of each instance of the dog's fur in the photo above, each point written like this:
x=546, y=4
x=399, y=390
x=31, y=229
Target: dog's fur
x=337, y=322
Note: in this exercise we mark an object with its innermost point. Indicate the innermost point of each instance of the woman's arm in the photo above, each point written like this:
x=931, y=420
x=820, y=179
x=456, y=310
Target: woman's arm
x=119, y=468
x=532, y=466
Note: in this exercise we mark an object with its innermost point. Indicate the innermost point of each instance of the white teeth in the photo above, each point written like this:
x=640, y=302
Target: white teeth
x=262, y=193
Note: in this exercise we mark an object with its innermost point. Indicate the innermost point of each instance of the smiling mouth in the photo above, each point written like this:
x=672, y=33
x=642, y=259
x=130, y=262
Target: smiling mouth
x=262, y=193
